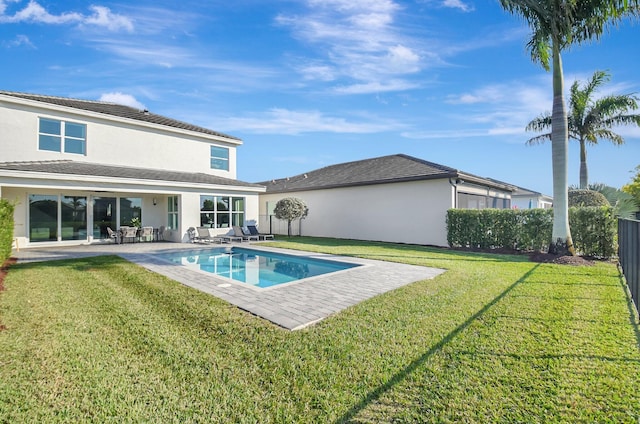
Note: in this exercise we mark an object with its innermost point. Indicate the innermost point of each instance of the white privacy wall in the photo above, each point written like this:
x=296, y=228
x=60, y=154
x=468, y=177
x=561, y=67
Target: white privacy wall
x=409, y=212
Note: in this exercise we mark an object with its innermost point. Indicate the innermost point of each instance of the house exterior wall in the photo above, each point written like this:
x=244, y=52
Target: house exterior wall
x=408, y=212
x=110, y=140
x=120, y=142
x=152, y=215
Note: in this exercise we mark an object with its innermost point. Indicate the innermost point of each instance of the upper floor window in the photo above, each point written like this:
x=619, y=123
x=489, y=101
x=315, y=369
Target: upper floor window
x=219, y=158
x=62, y=136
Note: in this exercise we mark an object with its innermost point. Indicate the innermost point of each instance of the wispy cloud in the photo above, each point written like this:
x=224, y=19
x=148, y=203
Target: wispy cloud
x=458, y=4
x=496, y=110
x=33, y=12
x=357, y=42
x=293, y=122
x=19, y=40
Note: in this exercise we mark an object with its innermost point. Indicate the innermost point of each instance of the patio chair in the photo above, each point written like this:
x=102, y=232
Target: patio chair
x=239, y=232
x=146, y=234
x=253, y=230
x=113, y=235
x=161, y=231
x=129, y=233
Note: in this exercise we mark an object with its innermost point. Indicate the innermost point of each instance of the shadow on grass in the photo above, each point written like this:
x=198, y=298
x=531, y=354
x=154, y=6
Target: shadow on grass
x=413, y=366
x=570, y=356
x=631, y=307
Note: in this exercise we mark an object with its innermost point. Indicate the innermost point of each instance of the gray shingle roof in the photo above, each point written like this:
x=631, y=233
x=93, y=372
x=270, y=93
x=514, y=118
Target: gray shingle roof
x=381, y=170
x=69, y=167
x=385, y=169
x=114, y=109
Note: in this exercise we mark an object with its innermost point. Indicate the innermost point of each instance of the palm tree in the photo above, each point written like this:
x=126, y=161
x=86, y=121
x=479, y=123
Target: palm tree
x=555, y=26
x=591, y=120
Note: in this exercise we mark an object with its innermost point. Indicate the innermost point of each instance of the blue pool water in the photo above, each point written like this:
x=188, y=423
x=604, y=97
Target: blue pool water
x=254, y=267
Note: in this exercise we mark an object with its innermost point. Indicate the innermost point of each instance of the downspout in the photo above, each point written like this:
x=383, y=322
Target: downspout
x=454, y=184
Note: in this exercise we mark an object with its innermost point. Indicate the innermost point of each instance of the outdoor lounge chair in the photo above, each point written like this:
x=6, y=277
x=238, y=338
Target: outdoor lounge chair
x=245, y=237
x=253, y=230
x=202, y=235
x=230, y=237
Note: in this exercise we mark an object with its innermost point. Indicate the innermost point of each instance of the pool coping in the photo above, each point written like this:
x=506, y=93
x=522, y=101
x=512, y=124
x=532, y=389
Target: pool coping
x=290, y=306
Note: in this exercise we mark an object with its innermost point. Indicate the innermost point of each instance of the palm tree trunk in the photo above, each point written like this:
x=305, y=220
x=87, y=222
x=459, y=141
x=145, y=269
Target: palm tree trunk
x=584, y=174
x=561, y=242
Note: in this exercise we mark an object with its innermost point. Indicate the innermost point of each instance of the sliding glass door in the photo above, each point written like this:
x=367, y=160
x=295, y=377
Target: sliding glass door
x=104, y=215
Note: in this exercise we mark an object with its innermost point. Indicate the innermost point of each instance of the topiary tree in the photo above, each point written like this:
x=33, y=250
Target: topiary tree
x=587, y=198
x=289, y=209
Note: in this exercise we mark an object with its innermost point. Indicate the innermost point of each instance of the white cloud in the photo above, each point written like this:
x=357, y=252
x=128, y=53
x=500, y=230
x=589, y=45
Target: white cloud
x=458, y=4
x=103, y=17
x=292, y=122
x=35, y=13
x=122, y=99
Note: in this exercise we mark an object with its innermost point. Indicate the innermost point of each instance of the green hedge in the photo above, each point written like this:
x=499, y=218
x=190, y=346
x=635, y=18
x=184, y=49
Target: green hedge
x=6, y=229
x=593, y=229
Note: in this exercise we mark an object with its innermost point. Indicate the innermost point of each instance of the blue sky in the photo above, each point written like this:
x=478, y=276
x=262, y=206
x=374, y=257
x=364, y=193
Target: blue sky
x=310, y=83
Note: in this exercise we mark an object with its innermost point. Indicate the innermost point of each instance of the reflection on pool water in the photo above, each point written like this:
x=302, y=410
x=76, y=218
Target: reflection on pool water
x=254, y=267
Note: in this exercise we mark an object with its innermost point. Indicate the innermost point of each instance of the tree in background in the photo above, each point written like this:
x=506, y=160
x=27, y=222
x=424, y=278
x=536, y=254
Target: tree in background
x=591, y=120
x=633, y=188
x=290, y=209
x=556, y=25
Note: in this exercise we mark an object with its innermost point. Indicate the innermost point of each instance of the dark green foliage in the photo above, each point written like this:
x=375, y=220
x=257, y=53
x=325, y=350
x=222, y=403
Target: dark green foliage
x=6, y=229
x=587, y=198
x=593, y=229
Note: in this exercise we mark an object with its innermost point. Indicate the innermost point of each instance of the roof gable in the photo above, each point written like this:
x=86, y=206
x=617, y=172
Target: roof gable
x=116, y=110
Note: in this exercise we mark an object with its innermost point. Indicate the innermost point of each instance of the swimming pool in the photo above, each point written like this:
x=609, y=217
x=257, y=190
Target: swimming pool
x=254, y=267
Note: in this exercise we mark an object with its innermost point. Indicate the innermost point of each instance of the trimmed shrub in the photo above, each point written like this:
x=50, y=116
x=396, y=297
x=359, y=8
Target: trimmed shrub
x=586, y=198
x=593, y=229
x=6, y=229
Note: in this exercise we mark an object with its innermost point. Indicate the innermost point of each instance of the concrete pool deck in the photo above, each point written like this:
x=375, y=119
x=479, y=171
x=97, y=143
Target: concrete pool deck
x=292, y=306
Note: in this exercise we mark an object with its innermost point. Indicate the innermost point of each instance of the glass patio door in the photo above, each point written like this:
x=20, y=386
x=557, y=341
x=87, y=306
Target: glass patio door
x=104, y=215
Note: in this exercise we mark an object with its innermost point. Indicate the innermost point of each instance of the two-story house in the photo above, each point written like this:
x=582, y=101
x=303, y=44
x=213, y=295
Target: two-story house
x=76, y=167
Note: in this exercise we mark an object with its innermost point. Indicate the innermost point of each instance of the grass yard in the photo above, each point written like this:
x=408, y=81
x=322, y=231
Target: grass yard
x=494, y=339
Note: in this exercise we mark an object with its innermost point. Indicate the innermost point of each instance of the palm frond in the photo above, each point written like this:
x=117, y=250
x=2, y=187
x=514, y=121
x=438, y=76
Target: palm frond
x=539, y=139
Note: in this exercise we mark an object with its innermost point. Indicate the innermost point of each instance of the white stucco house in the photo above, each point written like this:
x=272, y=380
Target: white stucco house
x=75, y=167
x=524, y=198
x=396, y=198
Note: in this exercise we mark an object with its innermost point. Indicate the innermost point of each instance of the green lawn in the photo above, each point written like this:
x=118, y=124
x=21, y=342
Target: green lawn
x=494, y=339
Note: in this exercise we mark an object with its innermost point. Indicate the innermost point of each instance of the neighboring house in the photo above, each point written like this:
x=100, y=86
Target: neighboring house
x=75, y=167
x=395, y=198
x=523, y=198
